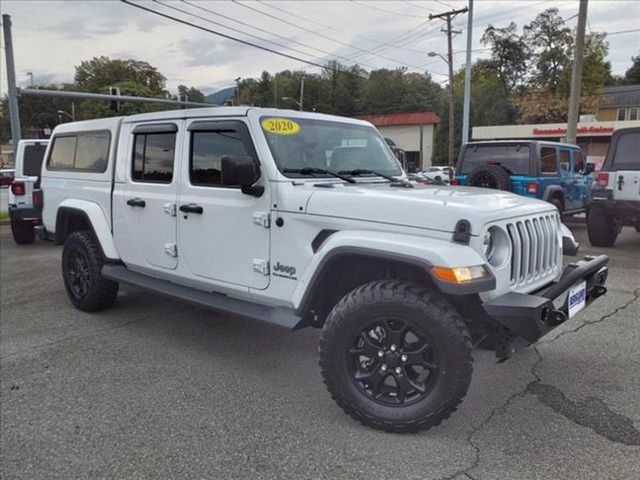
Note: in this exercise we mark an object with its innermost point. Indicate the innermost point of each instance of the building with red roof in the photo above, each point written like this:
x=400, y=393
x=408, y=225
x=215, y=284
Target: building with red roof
x=413, y=132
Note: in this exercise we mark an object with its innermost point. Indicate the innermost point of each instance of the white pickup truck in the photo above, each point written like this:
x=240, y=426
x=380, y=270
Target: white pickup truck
x=301, y=219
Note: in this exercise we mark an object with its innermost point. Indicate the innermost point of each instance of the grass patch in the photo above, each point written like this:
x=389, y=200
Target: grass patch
x=4, y=215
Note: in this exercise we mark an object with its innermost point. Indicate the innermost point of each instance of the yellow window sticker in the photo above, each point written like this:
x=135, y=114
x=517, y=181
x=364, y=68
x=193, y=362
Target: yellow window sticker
x=280, y=126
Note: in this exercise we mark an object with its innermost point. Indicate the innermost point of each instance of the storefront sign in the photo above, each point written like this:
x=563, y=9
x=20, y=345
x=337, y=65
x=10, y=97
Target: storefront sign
x=558, y=131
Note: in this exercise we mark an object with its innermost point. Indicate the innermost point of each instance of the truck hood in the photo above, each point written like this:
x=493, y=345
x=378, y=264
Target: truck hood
x=429, y=207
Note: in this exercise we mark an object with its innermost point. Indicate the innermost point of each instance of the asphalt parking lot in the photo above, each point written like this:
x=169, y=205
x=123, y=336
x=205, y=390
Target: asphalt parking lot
x=153, y=388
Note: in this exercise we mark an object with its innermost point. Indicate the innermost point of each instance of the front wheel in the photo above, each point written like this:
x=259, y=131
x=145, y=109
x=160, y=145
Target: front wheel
x=396, y=356
x=82, y=263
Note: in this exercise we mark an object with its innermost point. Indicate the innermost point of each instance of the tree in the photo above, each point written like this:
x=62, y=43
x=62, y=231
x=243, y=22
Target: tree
x=99, y=73
x=549, y=41
x=632, y=75
x=510, y=55
x=192, y=93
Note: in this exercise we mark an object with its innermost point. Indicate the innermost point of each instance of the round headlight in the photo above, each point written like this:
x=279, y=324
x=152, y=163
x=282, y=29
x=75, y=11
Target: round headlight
x=496, y=247
x=488, y=247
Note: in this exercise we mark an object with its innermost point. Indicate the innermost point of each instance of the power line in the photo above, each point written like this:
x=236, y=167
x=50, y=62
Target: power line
x=324, y=25
x=256, y=28
x=242, y=4
x=417, y=6
x=384, y=10
x=623, y=32
x=224, y=35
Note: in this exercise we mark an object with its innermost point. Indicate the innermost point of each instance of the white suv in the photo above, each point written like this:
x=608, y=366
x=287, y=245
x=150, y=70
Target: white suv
x=301, y=219
x=615, y=195
x=24, y=214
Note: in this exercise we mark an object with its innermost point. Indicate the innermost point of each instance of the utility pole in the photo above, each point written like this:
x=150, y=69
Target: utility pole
x=448, y=17
x=301, y=92
x=467, y=77
x=576, y=75
x=12, y=92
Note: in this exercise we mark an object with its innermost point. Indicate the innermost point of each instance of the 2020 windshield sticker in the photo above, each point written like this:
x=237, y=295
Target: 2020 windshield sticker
x=280, y=126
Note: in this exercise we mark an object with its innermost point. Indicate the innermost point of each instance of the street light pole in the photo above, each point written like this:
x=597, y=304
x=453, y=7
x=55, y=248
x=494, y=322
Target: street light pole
x=12, y=90
x=467, y=77
x=576, y=76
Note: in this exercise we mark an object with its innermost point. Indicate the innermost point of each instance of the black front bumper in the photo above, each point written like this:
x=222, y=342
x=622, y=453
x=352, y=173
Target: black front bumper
x=525, y=318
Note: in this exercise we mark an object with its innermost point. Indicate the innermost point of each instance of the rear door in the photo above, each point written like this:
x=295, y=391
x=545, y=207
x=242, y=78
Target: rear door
x=581, y=181
x=145, y=217
x=626, y=167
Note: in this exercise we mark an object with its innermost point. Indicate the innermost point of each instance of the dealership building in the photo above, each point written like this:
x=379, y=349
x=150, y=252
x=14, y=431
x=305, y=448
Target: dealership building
x=412, y=132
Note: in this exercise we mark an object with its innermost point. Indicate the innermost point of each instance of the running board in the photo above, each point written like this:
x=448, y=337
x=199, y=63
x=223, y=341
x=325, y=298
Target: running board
x=282, y=317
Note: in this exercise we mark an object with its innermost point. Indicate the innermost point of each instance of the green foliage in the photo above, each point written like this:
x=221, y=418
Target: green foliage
x=632, y=75
x=192, y=93
x=101, y=72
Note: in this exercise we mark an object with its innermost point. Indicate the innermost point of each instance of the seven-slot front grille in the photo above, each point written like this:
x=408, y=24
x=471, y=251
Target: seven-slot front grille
x=534, y=246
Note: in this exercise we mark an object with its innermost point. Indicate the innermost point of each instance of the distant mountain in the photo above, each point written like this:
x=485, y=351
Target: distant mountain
x=221, y=96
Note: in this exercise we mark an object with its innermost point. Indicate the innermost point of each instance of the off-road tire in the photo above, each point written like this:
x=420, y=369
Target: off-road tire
x=431, y=312
x=100, y=292
x=490, y=176
x=22, y=232
x=601, y=228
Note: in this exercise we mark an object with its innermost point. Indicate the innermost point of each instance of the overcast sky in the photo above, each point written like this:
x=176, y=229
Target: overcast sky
x=51, y=37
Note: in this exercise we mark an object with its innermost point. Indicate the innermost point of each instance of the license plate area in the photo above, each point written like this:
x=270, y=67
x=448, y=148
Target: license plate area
x=577, y=299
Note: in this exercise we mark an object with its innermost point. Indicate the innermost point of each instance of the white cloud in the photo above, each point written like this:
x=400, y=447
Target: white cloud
x=51, y=37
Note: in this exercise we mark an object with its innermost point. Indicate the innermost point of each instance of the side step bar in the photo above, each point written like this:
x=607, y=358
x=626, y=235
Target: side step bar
x=282, y=317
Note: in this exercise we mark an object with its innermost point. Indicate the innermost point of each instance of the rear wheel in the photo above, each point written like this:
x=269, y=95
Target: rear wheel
x=396, y=356
x=22, y=232
x=601, y=228
x=82, y=262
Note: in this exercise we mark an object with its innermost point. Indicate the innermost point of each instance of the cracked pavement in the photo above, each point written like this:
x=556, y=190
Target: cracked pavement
x=153, y=388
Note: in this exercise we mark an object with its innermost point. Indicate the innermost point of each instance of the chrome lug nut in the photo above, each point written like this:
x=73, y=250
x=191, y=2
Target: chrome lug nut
x=380, y=354
x=398, y=370
x=393, y=348
x=383, y=368
x=404, y=358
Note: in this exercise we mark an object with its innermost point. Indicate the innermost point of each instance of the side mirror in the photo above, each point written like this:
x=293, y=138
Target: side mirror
x=591, y=167
x=241, y=171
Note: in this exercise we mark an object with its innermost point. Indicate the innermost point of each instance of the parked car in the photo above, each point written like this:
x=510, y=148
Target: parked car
x=551, y=171
x=24, y=214
x=438, y=174
x=301, y=219
x=6, y=176
x=615, y=196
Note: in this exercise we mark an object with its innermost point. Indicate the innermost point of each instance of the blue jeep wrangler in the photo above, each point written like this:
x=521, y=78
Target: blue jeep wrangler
x=551, y=171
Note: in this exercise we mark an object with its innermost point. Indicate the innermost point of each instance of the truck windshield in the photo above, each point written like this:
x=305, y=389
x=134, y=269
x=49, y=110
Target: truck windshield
x=32, y=162
x=515, y=158
x=298, y=143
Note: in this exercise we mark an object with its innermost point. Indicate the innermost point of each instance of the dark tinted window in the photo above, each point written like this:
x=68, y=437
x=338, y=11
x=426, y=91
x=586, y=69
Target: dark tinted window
x=627, y=156
x=578, y=162
x=548, y=160
x=63, y=153
x=564, y=160
x=153, y=157
x=32, y=161
x=207, y=150
x=87, y=151
x=622, y=114
x=515, y=158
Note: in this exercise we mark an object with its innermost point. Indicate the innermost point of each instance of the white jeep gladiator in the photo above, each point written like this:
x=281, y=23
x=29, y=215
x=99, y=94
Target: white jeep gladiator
x=301, y=219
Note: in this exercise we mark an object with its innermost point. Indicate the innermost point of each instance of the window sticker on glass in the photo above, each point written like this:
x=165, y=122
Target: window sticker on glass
x=280, y=126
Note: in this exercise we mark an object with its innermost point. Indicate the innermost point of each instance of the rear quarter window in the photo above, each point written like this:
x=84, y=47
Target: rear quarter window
x=82, y=152
x=627, y=152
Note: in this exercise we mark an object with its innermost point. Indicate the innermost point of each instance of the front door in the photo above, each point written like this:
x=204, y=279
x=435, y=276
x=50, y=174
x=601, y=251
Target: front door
x=144, y=206
x=566, y=179
x=223, y=234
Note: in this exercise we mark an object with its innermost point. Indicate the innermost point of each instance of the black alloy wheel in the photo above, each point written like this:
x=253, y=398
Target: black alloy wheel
x=393, y=361
x=79, y=274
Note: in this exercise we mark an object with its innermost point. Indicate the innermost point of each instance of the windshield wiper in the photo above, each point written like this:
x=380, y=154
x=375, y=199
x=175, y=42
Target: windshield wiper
x=361, y=171
x=320, y=171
